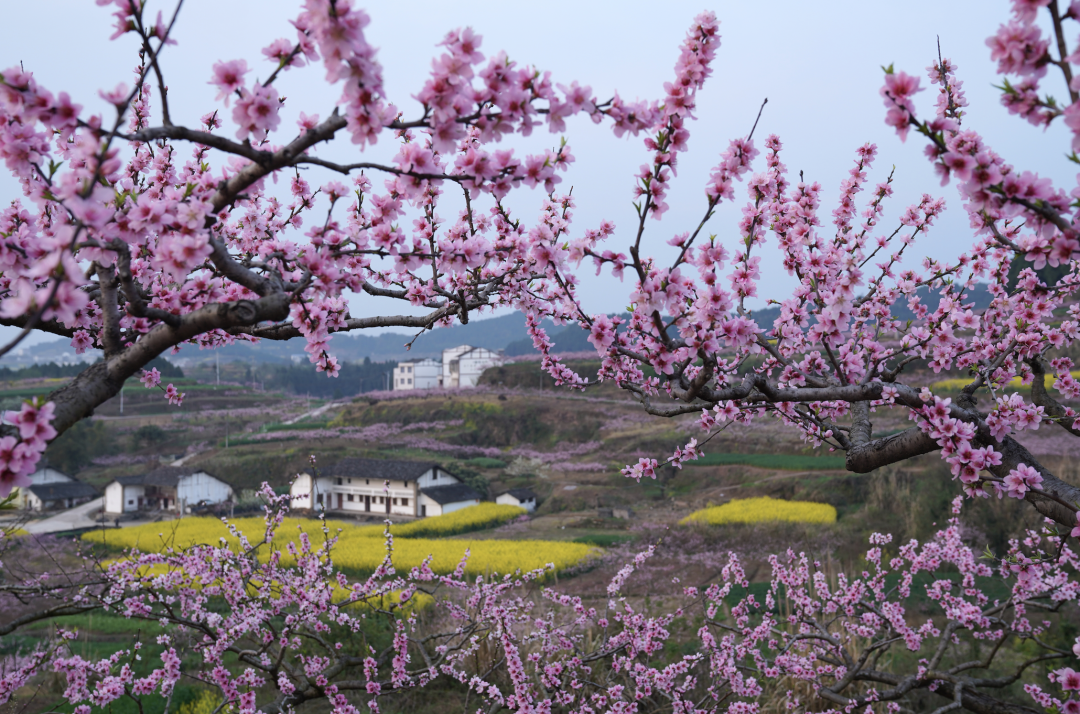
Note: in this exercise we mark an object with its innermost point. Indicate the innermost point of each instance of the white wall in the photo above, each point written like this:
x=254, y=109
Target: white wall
x=507, y=500
x=202, y=487
x=114, y=498
x=422, y=374
x=301, y=491
x=122, y=499
x=426, y=374
x=47, y=475
x=429, y=479
x=450, y=377
x=451, y=507
x=473, y=363
x=404, y=376
x=428, y=507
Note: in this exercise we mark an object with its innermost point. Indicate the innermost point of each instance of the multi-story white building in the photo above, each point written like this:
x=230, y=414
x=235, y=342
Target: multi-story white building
x=450, y=371
x=462, y=366
x=420, y=374
x=407, y=488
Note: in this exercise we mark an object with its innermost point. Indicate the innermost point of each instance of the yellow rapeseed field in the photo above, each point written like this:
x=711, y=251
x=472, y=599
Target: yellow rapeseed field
x=205, y=703
x=473, y=518
x=955, y=385
x=486, y=556
x=758, y=510
x=361, y=548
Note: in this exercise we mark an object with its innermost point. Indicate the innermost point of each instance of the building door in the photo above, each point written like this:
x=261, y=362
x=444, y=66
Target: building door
x=340, y=500
x=367, y=503
x=423, y=511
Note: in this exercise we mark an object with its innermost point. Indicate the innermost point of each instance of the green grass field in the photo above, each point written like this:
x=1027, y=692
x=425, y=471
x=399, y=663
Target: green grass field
x=787, y=462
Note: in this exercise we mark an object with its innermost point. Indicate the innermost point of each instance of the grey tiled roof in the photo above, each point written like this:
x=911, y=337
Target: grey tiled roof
x=162, y=476
x=382, y=469
x=522, y=494
x=63, y=489
x=454, y=493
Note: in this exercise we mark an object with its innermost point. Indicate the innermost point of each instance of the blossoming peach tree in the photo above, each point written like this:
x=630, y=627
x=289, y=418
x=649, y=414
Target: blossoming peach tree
x=133, y=237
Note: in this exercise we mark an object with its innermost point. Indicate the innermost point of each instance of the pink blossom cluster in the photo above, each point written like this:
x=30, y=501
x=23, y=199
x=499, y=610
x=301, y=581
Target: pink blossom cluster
x=21, y=450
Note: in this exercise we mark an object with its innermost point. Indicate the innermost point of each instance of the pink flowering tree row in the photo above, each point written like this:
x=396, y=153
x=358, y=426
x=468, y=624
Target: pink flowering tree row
x=839, y=351
x=270, y=629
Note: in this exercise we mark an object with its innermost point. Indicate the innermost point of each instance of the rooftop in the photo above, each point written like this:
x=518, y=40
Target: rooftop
x=63, y=489
x=453, y=493
x=380, y=469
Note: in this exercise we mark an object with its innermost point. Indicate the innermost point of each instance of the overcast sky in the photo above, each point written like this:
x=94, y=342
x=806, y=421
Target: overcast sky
x=819, y=64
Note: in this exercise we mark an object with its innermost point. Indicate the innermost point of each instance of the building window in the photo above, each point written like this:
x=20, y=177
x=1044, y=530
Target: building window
x=351, y=497
x=380, y=499
x=404, y=502
x=367, y=481
x=131, y=503
x=350, y=480
x=337, y=481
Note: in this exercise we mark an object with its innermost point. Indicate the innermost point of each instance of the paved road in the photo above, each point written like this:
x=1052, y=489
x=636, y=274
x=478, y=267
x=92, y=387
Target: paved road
x=69, y=520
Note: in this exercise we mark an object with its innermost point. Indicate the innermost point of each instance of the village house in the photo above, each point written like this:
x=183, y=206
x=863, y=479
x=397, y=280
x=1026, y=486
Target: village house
x=420, y=374
x=168, y=488
x=50, y=488
x=43, y=475
x=407, y=488
x=462, y=366
x=521, y=497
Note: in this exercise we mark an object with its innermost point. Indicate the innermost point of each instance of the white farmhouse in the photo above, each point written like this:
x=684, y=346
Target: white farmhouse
x=169, y=488
x=42, y=476
x=521, y=497
x=462, y=366
x=419, y=374
x=407, y=488
x=450, y=366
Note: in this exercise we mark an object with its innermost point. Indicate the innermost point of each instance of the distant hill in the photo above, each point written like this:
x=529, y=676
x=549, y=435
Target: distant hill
x=495, y=333
x=980, y=295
